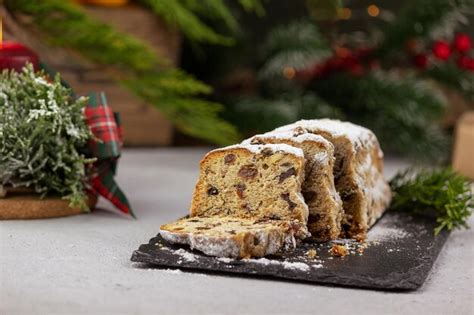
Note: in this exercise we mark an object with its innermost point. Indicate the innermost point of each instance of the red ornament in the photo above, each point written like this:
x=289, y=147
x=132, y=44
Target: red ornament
x=441, y=50
x=462, y=42
x=466, y=63
x=420, y=61
x=15, y=55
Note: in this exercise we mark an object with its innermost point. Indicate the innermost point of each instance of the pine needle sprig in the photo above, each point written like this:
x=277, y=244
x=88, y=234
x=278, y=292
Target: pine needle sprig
x=443, y=192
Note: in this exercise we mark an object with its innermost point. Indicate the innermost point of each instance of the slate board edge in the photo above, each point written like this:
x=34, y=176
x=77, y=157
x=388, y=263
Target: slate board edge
x=407, y=282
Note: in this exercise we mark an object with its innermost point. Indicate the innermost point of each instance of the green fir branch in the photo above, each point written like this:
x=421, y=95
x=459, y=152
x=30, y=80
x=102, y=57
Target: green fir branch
x=258, y=114
x=441, y=191
x=297, y=45
x=452, y=76
x=419, y=19
x=192, y=116
x=187, y=16
x=68, y=26
x=403, y=112
x=177, y=14
x=138, y=66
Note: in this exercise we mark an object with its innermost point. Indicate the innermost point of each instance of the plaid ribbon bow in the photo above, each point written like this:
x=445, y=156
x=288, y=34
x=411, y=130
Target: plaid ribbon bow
x=105, y=125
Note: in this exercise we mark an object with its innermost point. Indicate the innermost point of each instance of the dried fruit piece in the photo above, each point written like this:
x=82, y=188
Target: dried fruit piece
x=229, y=158
x=289, y=172
x=212, y=191
x=240, y=188
x=309, y=196
x=203, y=228
x=267, y=152
x=248, y=172
x=286, y=197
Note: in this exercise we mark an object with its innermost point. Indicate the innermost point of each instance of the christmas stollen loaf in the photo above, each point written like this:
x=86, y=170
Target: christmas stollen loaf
x=358, y=171
x=324, y=203
x=247, y=202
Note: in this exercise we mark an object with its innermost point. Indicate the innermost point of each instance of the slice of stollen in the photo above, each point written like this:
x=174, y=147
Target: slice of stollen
x=249, y=183
x=231, y=237
x=324, y=203
x=358, y=171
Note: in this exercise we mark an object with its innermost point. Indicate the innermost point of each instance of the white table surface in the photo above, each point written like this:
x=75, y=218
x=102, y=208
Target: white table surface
x=81, y=264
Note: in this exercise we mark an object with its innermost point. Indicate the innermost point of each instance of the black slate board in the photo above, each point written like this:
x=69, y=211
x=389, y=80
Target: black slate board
x=400, y=253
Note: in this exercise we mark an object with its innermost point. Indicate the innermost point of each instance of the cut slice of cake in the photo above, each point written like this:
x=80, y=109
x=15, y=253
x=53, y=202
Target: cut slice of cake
x=247, y=183
x=358, y=171
x=324, y=203
x=231, y=237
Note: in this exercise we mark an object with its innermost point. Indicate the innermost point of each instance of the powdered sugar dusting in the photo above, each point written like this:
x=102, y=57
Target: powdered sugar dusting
x=281, y=147
x=289, y=135
x=335, y=127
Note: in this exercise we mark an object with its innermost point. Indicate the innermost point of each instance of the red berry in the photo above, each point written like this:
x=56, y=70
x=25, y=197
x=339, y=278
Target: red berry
x=466, y=63
x=421, y=61
x=441, y=50
x=462, y=42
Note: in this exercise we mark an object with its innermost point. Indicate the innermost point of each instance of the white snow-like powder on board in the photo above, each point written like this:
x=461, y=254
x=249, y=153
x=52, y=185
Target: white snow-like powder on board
x=285, y=264
x=295, y=266
x=381, y=233
x=262, y=261
x=187, y=256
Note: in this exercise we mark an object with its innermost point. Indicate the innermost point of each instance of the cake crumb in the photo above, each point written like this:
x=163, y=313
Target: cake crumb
x=312, y=253
x=338, y=250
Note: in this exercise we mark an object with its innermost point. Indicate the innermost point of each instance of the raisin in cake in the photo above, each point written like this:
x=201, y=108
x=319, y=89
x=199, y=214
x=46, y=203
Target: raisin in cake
x=357, y=171
x=324, y=203
x=246, y=183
